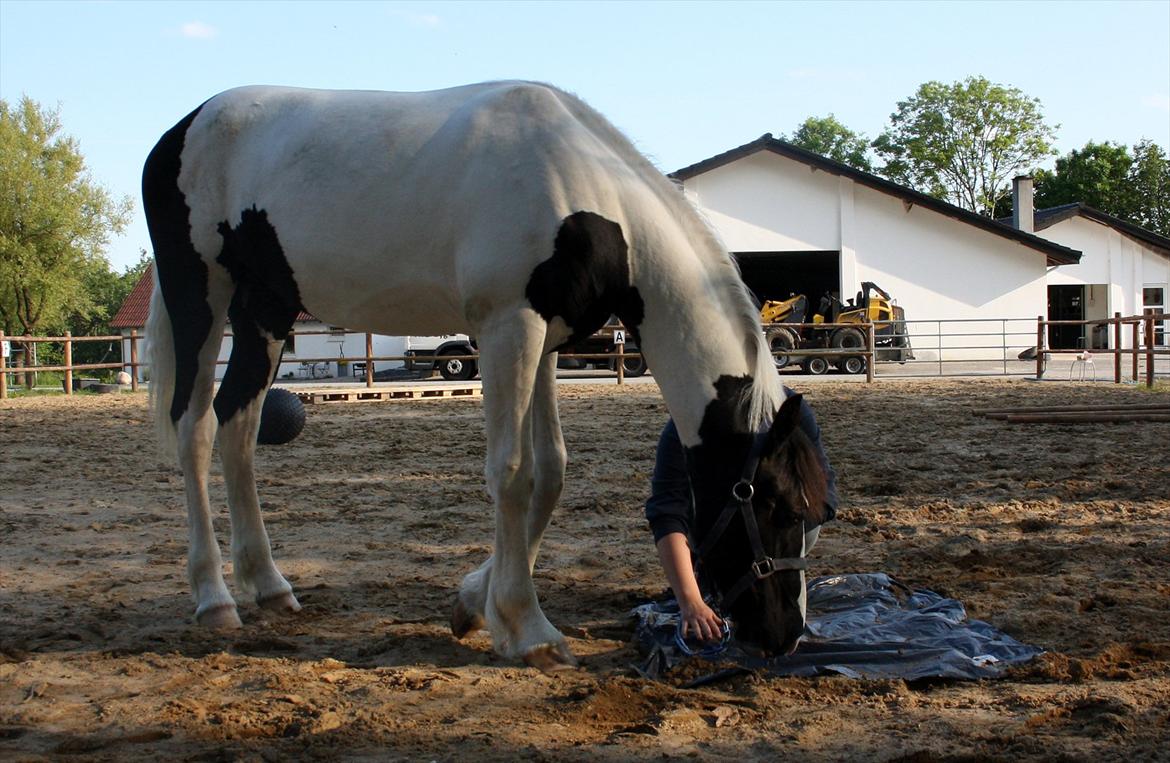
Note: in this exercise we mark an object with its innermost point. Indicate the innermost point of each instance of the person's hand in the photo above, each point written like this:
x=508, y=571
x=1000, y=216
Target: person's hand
x=699, y=621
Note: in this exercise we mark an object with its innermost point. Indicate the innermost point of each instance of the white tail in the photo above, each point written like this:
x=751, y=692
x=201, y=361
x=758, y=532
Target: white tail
x=160, y=354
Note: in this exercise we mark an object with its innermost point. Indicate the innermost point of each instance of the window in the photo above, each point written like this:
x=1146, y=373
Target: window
x=1154, y=302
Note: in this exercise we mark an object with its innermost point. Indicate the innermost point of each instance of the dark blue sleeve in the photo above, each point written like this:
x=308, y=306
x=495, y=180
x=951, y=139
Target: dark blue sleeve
x=669, y=508
x=808, y=422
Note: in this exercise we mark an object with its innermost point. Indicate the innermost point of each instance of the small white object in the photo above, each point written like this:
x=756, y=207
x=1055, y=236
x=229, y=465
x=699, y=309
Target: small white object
x=1084, y=361
x=122, y=377
x=6, y=348
x=619, y=336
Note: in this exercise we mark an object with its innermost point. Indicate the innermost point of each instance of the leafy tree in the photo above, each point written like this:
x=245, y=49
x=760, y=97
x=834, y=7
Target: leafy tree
x=1097, y=175
x=55, y=221
x=964, y=142
x=828, y=137
x=1150, y=184
x=106, y=291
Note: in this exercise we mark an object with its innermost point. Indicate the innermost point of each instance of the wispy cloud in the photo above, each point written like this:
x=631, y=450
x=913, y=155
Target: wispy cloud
x=198, y=30
x=1159, y=102
x=422, y=20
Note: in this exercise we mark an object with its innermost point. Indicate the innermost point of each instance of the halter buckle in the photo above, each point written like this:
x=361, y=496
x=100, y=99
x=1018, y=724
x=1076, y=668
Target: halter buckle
x=762, y=568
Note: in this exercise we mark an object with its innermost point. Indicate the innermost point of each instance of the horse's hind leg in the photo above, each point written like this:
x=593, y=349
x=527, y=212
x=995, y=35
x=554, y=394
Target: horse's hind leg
x=259, y=327
x=195, y=356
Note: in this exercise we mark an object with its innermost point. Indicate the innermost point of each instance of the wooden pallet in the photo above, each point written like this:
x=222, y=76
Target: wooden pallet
x=367, y=395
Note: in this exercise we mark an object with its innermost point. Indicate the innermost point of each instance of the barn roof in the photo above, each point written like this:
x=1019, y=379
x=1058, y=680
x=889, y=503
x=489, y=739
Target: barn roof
x=132, y=314
x=1055, y=253
x=1045, y=218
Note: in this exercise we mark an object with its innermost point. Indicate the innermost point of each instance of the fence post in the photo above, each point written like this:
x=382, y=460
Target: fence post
x=1137, y=344
x=369, y=359
x=1117, y=348
x=1149, y=351
x=621, y=362
x=871, y=355
x=68, y=363
x=3, y=372
x=1039, y=347
x=133, y=360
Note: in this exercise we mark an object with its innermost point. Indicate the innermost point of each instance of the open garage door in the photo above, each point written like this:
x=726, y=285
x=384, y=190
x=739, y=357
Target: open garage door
x=778, y=275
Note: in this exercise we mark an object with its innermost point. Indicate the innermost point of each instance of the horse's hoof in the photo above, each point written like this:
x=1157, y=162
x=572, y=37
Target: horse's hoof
x=284, y=603
x=221, y=618
x=464, y=622
x=551, y=658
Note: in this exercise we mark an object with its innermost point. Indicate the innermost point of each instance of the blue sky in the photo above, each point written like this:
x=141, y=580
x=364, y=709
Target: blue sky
x=684, y=80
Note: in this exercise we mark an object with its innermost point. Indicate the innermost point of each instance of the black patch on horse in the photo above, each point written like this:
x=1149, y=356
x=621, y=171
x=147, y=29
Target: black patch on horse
x=266, y=300
x=182, y=274
x=716, y=463
x=587, y=279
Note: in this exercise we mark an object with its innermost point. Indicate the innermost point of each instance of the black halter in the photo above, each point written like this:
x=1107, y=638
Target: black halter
x=741, y=501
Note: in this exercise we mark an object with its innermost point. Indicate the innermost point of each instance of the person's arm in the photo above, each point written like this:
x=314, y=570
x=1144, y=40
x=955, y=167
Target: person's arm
x=668, y=510
x=698, y=620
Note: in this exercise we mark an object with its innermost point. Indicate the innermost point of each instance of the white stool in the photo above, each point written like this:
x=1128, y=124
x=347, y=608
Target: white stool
x=1083, y=361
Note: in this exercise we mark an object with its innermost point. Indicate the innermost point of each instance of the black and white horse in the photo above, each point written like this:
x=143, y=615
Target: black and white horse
x=509, y=211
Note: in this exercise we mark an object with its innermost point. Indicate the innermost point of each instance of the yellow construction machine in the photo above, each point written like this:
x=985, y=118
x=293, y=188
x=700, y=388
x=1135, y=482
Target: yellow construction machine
x=891, y=340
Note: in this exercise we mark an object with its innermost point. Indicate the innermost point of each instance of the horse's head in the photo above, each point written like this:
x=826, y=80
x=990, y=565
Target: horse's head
x=761, y=578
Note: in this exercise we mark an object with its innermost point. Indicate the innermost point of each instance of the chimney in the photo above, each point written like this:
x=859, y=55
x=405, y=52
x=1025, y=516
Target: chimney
x=1023, y=215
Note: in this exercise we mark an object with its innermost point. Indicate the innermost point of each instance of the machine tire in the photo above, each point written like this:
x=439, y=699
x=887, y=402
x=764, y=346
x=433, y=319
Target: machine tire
x=848, y=339
x=634, y=366
x=853, y=364
x=816, y=366
x=454, y=369
x=781, y=339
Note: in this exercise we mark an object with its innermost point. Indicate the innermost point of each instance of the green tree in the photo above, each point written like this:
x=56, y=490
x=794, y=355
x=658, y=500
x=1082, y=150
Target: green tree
x=1150, y=185
x=828, y=137
x=106, y=290
x=55, y=221
x=964, y=142
x=1097, y=175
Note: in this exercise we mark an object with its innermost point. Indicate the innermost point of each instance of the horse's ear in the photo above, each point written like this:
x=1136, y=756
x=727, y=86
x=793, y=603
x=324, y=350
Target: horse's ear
x=786, y=420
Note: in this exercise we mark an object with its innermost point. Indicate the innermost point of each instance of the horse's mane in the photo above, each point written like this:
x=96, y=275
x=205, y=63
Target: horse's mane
x=766, y=393
x=798, y=459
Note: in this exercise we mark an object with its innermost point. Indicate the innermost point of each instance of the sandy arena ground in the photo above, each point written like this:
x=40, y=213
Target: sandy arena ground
x=1060, y=535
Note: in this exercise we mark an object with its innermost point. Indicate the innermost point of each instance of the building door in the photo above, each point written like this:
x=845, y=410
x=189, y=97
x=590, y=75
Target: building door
x=1066, y=303
x=779, y=275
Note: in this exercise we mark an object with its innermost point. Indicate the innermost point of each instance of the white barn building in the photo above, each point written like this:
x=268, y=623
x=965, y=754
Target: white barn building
x=1125, y=269
x=800, y=223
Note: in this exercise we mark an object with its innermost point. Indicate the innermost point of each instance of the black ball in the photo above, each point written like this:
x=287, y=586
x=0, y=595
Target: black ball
x=281, y=419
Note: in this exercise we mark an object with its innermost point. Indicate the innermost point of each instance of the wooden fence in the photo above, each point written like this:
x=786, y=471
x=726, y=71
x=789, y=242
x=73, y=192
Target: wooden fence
x=1141, y=326
x=1144, y=345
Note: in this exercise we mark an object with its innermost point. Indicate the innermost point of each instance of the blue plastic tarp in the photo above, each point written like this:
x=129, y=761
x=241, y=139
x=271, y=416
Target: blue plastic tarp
x=861, y=626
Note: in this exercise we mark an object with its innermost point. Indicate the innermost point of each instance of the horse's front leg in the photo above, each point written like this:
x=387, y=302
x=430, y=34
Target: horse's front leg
x=543, y=428
x=510, y=354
